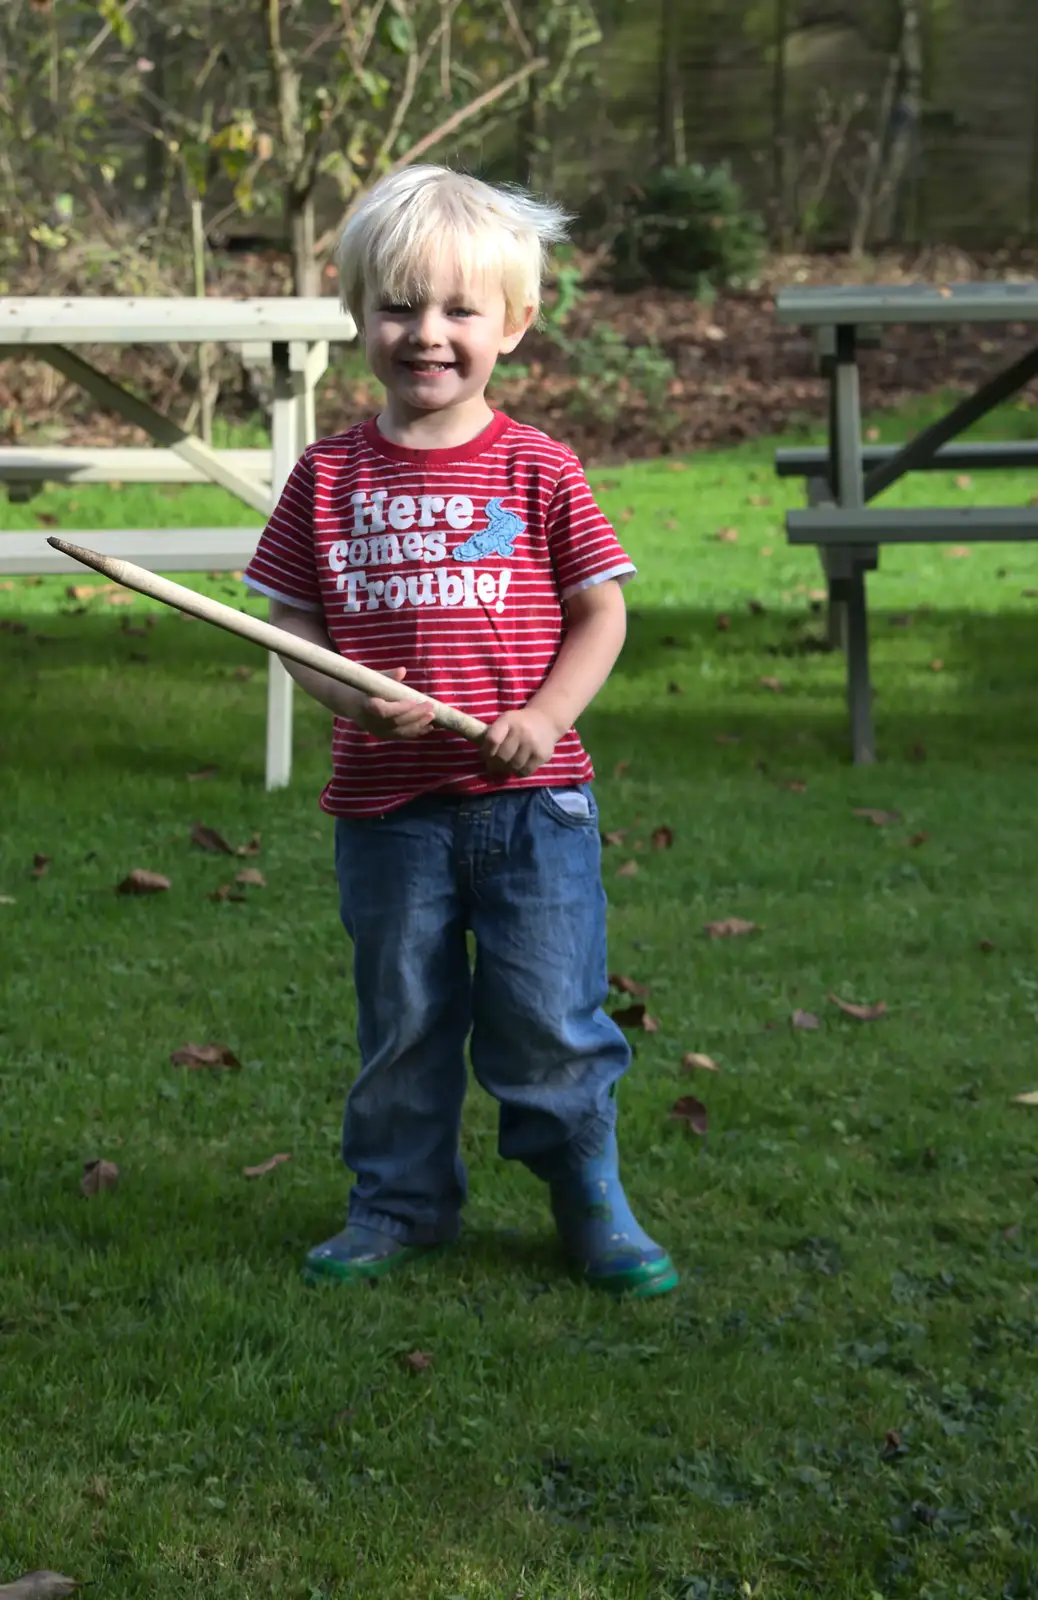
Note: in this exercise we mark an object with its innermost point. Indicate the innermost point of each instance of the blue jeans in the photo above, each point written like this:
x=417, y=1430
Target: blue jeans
x=522, y=871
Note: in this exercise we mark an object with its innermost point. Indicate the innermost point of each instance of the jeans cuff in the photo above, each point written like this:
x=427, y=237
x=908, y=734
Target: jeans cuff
x=407, y=1232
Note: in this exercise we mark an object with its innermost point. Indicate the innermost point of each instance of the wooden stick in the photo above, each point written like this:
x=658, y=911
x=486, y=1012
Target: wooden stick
x=265, y=634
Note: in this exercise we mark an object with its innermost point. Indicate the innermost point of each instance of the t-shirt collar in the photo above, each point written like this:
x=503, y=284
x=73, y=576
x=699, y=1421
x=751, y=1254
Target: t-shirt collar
x=377, y=441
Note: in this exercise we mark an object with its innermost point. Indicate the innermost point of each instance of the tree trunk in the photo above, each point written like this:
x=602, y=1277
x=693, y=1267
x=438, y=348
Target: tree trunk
x=299, y=215
x=780, y=226
x=672, y=146
x=903, y=137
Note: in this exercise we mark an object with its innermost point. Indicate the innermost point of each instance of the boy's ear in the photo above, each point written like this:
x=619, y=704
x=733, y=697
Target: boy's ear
x=514, y=335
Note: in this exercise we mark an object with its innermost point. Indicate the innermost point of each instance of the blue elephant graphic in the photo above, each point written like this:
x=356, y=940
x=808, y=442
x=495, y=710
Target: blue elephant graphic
x=496, y=539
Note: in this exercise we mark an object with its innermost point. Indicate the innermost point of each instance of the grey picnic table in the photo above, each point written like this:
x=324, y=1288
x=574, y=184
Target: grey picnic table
x=845, y=476
x=292, y=334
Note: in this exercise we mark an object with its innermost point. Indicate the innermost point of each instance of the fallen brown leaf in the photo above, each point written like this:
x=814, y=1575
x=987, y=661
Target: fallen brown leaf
x=243, y=674
x=879, y=819
x=120, y=599
x=628, y=870
x=619, y=980
x=636, y=1017
x=418, y=1361
x=678, y=466
x=46, y=519
x=40, y=865
x=796, y=786
x=693, y=1061
x=937, y=665
x=758, y=500
x=225, y=891
x=201, y=775
x=40, y=1586
x=205, y=1055
x=863, y=1013
x=872, y=435
x=774, y=684
x=615, y=836
x=964, y=481
x=140, y=881
x=691, y=1112
x=728, y=535
x=806, y=1020
x=918, y=839
x=987, y=945
x=207, y=838
x=83, y=591
x=729, y=928
x=957, y=552
x=266, y=1166
x=662, y=838
x=7, y=900
x=1028, y=1098
x=250, y=849
x=728, y=738
x=620, y=768
x=251, y=876
x=97, y=1175
x=756, y=608
x=766, y=550
x=674, y=688
x=723, y=623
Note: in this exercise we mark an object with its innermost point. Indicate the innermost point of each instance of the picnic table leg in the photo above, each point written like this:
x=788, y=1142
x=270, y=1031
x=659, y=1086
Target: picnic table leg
x=284, y=427
x=849, y=483
x=819, y=492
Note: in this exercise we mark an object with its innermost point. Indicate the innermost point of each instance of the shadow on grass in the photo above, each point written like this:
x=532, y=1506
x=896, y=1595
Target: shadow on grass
x=150, y=703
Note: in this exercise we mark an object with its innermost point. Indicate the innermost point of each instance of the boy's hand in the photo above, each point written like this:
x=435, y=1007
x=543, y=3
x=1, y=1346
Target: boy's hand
x=392, y=719
x=520, y=742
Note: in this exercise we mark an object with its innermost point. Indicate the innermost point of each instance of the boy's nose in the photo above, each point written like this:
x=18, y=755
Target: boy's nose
x=428, y=328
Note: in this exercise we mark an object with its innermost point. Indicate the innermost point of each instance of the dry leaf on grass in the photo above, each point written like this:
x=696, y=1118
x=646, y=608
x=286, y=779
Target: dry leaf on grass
x=250, y=849
x=773, y=684
x=266, y=1166
x=252, y=876
x=619, y=980
x=806, y=1020
x=693, y=1061
x=758, y=500
x=937, y=665
x=987, y=945
x=140, y=881
x=226, y=891
x=628, y=870
x=119, y=599
x=691, y=1112
x=964, y=481
x=662, y=838
x=201, y=775
x=1028, y=1098
x=7, y=900
x=205, y=1055
x=40, y=865
x=243, y=674
x=207, y=838
x=729, y=928
x=919, y=838
x=40, y=1586
x=674, y=688
x=728, y=738
x=636, y=1017
x=879, y=819
x=863, y=1013
x=872, y=435
x=795, y=786
x=616, y=836
x=620, y=768
x=728, y=535
x=98, y=1175
x=724, y=622
x=418, y=1360
x=957, y=552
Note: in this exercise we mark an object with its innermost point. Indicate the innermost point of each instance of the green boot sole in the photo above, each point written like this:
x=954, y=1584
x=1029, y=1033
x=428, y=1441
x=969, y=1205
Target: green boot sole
x=637, y=1283
x=317, y=1270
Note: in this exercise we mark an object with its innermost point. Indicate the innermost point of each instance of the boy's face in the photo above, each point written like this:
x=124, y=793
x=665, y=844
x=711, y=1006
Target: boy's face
x=438, y=354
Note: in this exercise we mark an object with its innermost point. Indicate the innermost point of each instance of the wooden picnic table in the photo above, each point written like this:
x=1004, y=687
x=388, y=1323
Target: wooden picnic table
x=293, y=334
x=844, y=477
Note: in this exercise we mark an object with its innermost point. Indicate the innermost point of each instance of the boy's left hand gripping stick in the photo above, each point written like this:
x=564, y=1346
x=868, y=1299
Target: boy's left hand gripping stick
x=262, y=633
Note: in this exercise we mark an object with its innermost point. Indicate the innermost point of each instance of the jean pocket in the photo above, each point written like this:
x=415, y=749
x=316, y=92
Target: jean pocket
x=573, y=806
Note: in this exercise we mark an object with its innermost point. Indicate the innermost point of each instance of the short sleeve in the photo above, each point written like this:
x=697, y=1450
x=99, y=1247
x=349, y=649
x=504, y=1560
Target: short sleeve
x=284, y=565
x=584, y=548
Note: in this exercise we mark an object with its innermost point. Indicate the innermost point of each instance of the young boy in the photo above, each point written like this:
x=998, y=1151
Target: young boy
x=442, y=541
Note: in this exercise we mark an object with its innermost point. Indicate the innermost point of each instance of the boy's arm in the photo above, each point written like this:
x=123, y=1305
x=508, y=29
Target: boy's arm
x=386, y=719
x=521, y=741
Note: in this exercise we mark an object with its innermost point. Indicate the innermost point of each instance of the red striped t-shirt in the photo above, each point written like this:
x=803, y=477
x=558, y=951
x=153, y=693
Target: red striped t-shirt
x=452, y=563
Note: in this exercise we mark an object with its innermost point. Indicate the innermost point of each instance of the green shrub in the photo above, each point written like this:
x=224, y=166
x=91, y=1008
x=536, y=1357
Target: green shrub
x=687, y=228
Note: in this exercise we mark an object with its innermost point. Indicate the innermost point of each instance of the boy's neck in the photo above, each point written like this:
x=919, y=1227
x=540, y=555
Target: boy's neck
x=434, y=430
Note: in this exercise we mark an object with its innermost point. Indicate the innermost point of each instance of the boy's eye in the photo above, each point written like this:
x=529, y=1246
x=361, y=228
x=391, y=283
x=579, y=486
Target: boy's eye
x=462, y=311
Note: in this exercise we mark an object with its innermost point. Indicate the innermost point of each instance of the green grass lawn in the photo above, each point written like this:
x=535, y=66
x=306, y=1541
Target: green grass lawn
x=841, y=1398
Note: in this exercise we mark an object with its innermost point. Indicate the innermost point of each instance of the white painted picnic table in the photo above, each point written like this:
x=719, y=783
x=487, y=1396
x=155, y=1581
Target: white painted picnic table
x=292, y=333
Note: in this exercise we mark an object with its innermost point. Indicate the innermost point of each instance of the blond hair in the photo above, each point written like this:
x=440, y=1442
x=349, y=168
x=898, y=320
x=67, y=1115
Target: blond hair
x=408, y=224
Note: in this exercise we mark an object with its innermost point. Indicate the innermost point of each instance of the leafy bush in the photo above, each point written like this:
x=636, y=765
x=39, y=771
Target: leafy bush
x=687, y=228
